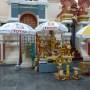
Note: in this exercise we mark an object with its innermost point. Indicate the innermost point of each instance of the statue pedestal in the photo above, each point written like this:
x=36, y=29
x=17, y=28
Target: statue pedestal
x=26, y=62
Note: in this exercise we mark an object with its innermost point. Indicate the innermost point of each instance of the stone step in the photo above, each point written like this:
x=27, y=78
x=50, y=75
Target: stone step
x=1, y=62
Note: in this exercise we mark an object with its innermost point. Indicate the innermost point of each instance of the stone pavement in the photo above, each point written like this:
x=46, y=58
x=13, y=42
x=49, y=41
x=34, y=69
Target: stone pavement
x=27, y=79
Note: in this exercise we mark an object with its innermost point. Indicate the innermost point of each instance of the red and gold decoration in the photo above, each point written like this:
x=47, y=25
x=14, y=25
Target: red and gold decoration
x=72, y=8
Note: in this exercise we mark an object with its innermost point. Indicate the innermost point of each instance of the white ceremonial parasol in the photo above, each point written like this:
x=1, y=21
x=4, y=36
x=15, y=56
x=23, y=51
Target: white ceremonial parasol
x=17, y=28
x=51, y=25
x=84, y=32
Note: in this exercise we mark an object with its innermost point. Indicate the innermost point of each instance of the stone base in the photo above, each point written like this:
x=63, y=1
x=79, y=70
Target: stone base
x=10, y=61
x=26, y=63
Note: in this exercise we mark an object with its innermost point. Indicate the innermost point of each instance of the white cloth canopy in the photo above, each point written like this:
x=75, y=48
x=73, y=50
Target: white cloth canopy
x=52, y=25
x=16, y=28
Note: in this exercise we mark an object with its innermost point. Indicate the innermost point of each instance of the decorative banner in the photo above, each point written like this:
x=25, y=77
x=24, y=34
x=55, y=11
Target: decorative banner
x=50, y=28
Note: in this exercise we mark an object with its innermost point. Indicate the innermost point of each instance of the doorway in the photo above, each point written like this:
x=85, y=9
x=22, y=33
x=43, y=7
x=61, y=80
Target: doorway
x=29, y=19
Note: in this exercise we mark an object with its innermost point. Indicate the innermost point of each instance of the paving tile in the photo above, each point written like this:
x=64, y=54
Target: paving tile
x=7, y=88
x=27, y=79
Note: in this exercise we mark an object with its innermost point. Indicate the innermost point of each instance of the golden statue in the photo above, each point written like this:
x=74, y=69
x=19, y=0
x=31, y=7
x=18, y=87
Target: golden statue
x=42, y=49
x=60, y=74
x=67, y=77
x=76, y=74
x=51, y=41
x=38, y=44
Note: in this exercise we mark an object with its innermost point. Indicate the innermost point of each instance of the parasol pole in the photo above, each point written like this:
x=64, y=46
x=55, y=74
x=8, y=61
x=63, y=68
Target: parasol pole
x=2, y=51
x=20, y=50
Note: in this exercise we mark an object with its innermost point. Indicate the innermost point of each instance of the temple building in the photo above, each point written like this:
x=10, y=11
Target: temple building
x=34, y=12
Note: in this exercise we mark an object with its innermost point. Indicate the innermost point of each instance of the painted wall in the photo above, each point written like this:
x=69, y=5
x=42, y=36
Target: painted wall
x=89, y=10
x=52, y=10
x=4, y=10
x=17, y=9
